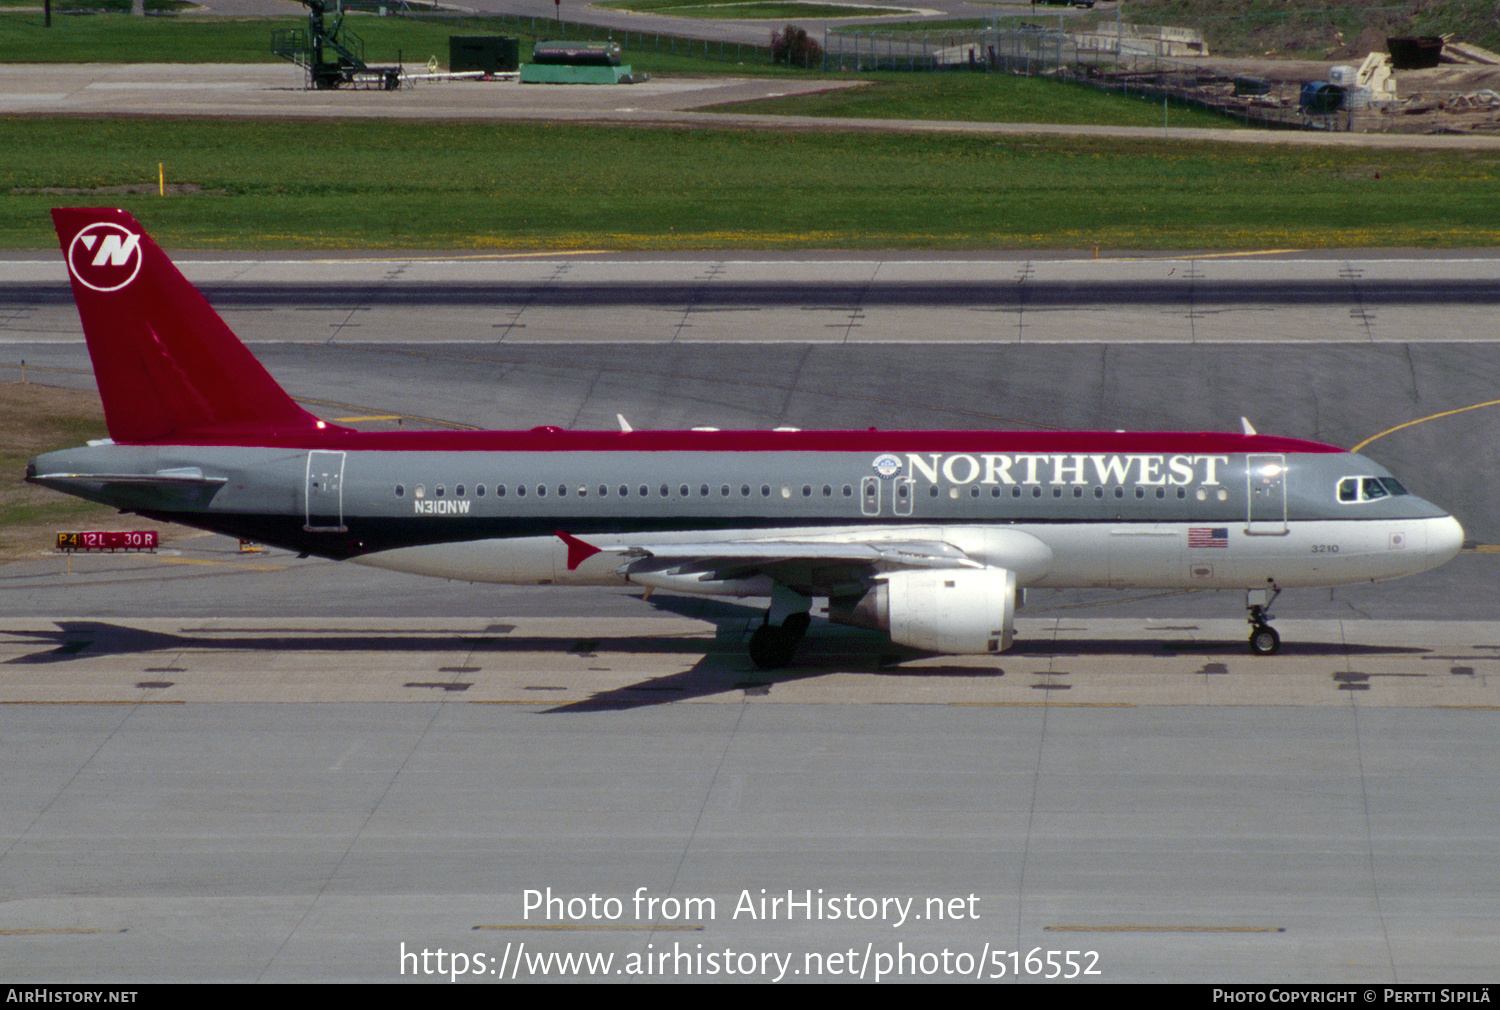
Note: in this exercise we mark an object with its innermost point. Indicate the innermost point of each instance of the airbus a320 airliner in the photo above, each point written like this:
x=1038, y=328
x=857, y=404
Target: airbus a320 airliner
x=928, y=535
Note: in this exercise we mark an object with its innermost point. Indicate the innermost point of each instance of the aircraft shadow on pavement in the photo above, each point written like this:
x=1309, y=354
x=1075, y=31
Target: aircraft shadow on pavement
x=721, y=666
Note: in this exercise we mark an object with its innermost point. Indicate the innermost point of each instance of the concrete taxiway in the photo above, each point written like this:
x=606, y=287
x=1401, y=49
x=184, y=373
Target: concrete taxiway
x=255, y=767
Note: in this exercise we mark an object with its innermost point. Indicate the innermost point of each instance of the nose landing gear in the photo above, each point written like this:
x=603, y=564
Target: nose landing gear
x=1264, y=641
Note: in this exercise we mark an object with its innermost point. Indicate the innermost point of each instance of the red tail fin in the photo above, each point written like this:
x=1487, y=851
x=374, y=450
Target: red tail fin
x=167, y=365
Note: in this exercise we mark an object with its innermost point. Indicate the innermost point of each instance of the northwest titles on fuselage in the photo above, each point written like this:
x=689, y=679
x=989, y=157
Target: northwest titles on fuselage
x=1148, y=469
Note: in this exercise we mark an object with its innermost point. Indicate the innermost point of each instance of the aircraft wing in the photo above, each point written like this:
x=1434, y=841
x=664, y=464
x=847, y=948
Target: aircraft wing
x=757, y=554
x=811, y=567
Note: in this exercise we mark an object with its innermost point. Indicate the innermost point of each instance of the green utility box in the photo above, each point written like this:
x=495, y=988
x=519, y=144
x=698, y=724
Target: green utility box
x=560, y=73
x=492, y=54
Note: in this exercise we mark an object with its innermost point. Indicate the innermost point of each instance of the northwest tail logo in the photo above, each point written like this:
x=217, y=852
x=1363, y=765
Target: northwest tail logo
x=105, y=256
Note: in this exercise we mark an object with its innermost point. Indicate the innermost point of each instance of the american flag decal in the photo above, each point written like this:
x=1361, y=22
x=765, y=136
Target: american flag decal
x=1208, y=536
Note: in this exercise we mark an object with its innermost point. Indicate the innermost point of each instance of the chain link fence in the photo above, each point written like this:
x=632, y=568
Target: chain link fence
x=1031, y=50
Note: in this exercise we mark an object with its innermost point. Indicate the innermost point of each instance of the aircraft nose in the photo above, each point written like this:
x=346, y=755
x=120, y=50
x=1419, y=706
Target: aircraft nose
x=1445, y=537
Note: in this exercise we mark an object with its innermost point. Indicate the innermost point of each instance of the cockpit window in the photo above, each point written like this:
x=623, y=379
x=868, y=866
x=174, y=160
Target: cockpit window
x=1358, y=489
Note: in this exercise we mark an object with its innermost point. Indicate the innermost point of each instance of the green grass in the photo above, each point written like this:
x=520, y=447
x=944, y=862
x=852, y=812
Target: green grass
x=373, y=184
x=745, y=10
x=979, y=97
x=195, y=38
x=1311, y=28
x=117, y=6
x=213, y=39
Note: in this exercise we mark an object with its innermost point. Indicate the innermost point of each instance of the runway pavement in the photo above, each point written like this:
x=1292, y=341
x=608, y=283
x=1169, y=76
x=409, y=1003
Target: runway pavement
x=250, y=767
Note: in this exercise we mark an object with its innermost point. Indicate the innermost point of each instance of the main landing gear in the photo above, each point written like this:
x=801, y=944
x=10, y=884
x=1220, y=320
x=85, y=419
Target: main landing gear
x=1264, y=641
x=772, y=644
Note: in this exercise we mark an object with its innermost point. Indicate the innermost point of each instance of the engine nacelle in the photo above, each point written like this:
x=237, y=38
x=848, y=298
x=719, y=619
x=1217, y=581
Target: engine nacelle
x=958, y=611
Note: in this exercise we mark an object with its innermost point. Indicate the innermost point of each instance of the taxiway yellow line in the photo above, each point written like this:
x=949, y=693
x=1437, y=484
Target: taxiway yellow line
x=225, y=564
x=1198, y=256
x=1422, y=420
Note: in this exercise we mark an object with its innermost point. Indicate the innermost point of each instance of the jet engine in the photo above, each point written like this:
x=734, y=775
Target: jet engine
x=958, y=611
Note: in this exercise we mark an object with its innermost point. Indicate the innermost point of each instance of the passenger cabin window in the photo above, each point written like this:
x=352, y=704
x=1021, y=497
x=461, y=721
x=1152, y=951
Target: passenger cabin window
x=400, y=490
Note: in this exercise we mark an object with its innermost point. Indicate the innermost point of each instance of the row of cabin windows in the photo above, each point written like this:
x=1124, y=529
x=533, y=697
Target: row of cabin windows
x=685, y=491
x=624, y=491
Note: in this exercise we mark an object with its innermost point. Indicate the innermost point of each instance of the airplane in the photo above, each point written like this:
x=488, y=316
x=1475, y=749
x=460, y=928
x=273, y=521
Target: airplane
x=930, y=536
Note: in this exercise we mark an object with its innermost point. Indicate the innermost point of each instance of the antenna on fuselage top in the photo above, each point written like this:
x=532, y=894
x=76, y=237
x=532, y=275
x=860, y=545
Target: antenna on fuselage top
x=1247, y=427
